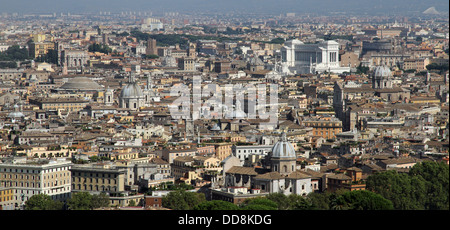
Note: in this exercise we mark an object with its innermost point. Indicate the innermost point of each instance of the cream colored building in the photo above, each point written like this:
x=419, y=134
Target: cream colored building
x=67, y=104
x=98, y=178
x=37, y=49
x=222, y=150
x=30, y=178
x=44, y=151
x=189, y=167
x=416, y=64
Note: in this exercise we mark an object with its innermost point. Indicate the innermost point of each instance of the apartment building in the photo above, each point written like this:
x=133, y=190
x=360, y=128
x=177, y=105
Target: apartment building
x=326, y=127
x=184, y=165
x=32, y=177
x=170, y=154
x=37, y=49
x=244, y=151
x=98, y=178
x=222, y=150
x=416, y=64
x=68, y=104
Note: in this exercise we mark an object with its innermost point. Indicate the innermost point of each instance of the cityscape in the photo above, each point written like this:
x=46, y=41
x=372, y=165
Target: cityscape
x=216, y=105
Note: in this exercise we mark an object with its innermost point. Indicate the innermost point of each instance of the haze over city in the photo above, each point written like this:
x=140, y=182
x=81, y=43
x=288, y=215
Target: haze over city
x=226, y=6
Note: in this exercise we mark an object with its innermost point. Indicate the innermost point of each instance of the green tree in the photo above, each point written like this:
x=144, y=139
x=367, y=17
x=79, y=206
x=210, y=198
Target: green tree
x=362, y=69
x=80, y=201
x=14, y=53
x=102, y=48
x=42, y=202
x=99, y=201
x=404, y=191
x=363, y=200
x=280, y=199
x=8, y=64
x=436, y=179
x=132, y=203
x=298, y=202
x=216, y=205
x=51, y=57
x=151, y=56
x=94, y=158
x=277, y=41
x=439, y=67
x=425, y=187
x=319, y=201
x=182, y=200
x=260, y=203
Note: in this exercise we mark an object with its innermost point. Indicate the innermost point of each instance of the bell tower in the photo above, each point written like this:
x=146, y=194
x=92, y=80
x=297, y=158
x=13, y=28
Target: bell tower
x=109, y=97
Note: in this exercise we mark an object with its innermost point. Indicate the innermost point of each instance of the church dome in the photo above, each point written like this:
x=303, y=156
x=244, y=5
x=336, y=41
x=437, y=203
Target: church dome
x=255, y=61
x=283, y=148
x=16, y=113
x=131, y=90
x=81, y=83
x=382, y=72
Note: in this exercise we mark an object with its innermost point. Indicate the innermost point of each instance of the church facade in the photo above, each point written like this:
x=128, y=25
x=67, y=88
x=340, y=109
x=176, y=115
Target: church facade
x=279, y=173
x=382, y=87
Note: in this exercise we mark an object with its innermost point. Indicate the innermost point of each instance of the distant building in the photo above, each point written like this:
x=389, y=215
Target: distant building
x=279, y=174
x=151, y=47
x=222, y=66
x=378, y=46
x=150, y=24
x=326, y=127
x=131, y=96
x=37, y=49
x=300, y=58
x=67, y=104
x=74, y=58
x=244, y=151
x=186, y=63
x=349, y=180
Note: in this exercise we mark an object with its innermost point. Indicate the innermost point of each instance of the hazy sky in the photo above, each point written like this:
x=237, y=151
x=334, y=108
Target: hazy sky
x=257, y=6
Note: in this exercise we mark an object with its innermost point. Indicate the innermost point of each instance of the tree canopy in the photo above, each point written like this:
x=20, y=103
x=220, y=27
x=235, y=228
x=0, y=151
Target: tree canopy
x=102, y=48
x=182, y=200
x=51, y=57
x=361, y=200
x=86, y=201
x=425, y=187
x=14, y=53
x=42, y=202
